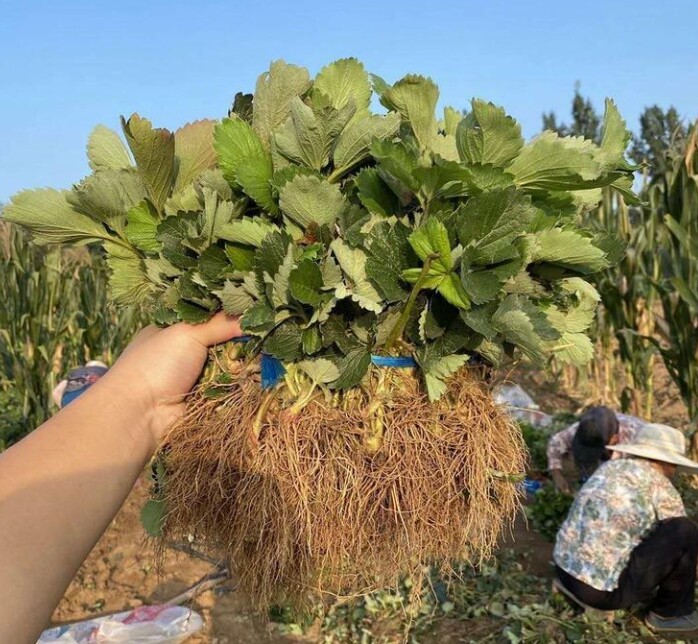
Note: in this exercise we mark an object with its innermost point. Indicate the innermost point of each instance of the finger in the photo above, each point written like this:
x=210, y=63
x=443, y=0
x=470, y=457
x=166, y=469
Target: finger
x=220, y=328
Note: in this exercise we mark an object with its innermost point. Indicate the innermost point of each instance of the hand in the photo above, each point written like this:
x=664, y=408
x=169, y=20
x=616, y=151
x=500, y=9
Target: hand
x=560, y=481
x=161, y=366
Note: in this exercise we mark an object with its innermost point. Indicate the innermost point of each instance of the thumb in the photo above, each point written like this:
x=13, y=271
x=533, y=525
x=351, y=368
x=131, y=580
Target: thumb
x=220, y=328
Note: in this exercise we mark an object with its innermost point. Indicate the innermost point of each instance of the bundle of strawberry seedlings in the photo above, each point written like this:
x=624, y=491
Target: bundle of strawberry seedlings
x=384, y=263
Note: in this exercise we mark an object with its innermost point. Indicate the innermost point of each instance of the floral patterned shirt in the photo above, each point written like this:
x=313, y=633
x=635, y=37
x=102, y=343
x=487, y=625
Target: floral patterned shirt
x=561, y=443
x=612, y=513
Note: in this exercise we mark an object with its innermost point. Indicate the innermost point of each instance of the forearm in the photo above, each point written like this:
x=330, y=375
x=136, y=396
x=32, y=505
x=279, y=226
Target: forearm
x=84, y=461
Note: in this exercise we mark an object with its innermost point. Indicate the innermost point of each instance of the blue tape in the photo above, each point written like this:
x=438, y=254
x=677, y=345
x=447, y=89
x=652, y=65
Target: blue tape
x=272, y=371
x=397, y=362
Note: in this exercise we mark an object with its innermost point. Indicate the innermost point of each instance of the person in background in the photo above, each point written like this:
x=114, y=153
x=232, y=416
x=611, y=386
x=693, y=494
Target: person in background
x=78, y=381
x=586, y=441
x=627, y=539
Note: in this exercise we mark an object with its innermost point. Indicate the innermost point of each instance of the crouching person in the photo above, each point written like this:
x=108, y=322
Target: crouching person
x=626, y=538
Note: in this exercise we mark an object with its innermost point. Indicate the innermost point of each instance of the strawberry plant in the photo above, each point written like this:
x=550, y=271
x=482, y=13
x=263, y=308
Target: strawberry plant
x=382, y=263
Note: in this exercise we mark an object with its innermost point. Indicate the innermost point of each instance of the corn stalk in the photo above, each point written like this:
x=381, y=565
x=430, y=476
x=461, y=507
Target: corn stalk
x=54, y=315
x=675, y=199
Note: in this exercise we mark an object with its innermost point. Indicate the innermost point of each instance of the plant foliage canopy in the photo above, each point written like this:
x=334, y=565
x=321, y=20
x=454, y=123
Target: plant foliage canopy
x=338, y=232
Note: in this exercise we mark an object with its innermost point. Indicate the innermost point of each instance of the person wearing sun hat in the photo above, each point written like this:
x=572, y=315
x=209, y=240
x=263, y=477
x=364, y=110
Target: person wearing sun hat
x=627, y=539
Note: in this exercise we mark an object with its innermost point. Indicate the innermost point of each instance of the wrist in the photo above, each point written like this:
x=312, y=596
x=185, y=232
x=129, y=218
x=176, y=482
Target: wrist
x=132, y=399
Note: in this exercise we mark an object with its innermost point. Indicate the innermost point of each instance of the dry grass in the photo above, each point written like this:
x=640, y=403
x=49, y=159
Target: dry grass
x=346, y=493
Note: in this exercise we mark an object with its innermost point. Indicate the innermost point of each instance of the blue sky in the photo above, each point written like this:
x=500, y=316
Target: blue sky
x=67, y=65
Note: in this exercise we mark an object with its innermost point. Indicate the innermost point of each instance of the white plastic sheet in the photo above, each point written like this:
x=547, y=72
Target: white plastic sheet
x=521, y=406
x=143, y=625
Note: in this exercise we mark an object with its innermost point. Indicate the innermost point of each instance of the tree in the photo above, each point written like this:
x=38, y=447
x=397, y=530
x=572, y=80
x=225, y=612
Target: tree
x=586, y=121
x=662, y=137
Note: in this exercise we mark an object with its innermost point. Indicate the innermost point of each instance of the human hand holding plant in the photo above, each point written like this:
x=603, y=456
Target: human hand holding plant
x=92, y=450
x=161, y=366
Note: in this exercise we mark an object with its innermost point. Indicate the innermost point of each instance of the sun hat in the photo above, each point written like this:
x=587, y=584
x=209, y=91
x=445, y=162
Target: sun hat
x=659, y=443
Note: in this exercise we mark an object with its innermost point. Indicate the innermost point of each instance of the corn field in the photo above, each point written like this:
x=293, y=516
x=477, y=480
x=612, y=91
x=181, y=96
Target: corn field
x=650, y=299
x=54, y=315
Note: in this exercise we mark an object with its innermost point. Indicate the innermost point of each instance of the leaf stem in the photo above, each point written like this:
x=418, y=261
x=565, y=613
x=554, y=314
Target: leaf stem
x=400, y=325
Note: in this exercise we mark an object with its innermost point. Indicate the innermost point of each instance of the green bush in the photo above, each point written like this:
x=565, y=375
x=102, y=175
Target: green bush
x=548, y=510
x=536, y=439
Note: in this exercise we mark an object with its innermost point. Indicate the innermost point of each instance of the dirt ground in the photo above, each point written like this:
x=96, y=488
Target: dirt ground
x=121, y=573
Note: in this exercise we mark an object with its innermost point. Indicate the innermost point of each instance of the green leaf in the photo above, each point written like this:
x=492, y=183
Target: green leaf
x=142, y=227
x=309, y=199
x=491, y=221
x=213, y=266
x=107, y=196
x=320, y=370
x=235, y=299
x=191, y=313
x=354, y=143
x=481, y=286
x=249, y=230
x=284, y=342
x=551, y=162
x=273, y=95
x=154, y=152
x=415, y=98
x=105, y=150
x=301, y=138
x=443, y=181
x=524, y=325
x=488, y=136
x=479, y=319
x=375, y=194
x=352, y=368
x=305, y=282
x=452, y=117
x=153, y=517
x=614, y=140
x=481, y=178
x=398, y=162
x=437, y=371
x=353, y=264
x=430, y=240
x=241, y=257
x=331, y=273
x=344, y=81
x=217, y=214
x=280, y=290
x=128, y=283
x=49, y=217
x=270, y=257
x=258, y=318
x=311, y=340
x=245, y=161
x=193, y=151
x=174, y=234
x=452, y=290
x=389, y=253
x=569, y=249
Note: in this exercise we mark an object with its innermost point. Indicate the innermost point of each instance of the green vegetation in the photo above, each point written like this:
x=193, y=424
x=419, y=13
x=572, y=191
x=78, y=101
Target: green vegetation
x=54, y=315
x=548, y=510
x=337, y=232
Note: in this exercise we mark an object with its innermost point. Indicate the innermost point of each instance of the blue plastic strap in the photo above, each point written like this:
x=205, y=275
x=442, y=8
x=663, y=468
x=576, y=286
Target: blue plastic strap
x=396, y=362
x=272, y=371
